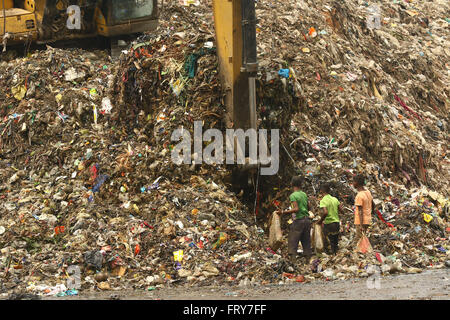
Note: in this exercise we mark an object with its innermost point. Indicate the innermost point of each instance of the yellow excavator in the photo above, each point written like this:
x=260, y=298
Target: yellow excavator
x=45, y=21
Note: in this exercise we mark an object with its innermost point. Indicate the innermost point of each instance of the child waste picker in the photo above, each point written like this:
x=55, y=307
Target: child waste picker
x=330, y=208
x=363, y=212
x=300, y=229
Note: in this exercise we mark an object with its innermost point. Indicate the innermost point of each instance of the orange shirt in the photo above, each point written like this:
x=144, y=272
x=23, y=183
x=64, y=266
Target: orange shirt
x=364, y=199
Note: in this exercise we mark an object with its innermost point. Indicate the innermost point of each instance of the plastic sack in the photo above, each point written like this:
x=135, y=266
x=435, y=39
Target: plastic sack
x=275, y=235
x=317, y=237
x=364, y=245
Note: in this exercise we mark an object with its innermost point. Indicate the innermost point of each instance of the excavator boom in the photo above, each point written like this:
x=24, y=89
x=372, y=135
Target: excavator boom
x=235, y=26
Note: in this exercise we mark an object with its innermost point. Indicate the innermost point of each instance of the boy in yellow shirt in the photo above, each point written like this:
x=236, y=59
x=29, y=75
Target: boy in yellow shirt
x=330, y=208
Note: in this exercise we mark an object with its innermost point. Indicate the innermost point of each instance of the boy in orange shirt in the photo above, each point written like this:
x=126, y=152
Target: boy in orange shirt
x=364, y=207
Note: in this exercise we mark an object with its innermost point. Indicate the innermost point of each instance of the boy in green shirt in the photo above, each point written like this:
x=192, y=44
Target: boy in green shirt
x=300, y=229
x=329, y=216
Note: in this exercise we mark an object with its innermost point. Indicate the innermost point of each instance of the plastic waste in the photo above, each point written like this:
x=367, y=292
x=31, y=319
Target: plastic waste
x=222, y=239
x=283, y=73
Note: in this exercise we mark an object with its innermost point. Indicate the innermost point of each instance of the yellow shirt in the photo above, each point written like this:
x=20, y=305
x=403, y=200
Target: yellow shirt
x=364, y=199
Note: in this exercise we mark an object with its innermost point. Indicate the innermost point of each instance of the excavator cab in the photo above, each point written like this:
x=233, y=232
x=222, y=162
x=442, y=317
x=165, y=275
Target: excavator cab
x=119, y=17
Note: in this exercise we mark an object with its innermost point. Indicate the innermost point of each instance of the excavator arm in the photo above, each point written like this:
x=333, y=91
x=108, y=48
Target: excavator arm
x=235, y=26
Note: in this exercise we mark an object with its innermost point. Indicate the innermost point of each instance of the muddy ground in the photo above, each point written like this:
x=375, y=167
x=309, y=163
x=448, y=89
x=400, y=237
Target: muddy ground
x=429, y=285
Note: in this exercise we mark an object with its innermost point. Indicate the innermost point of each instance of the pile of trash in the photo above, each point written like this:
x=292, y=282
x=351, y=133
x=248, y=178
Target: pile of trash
x=91, y=199
x=370, y=82
x=381, y=90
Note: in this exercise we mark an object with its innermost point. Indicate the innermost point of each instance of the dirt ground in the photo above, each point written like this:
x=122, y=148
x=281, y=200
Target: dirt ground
x=429, y=285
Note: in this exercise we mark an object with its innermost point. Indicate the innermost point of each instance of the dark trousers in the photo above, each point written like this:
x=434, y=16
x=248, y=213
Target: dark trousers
x=331, y=235
x=300, y=230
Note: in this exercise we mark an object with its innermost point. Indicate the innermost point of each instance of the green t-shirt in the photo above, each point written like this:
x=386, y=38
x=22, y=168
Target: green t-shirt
x=332, y=204
x=302, y=200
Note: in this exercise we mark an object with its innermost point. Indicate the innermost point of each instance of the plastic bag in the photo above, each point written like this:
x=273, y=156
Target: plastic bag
x=222, y=239
x=283, y=73
x=275, y=235
x=317, y=237
x=364, y=245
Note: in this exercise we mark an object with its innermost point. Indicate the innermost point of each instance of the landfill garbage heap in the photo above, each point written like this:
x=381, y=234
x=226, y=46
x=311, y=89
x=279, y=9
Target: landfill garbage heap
x=88, y=189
